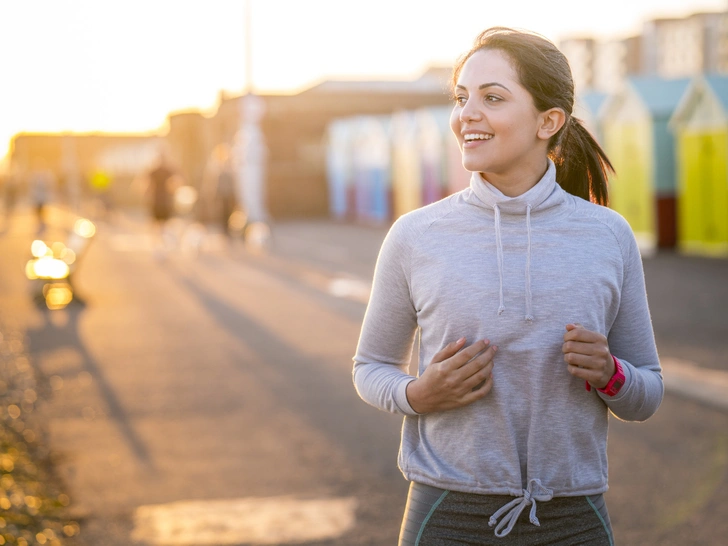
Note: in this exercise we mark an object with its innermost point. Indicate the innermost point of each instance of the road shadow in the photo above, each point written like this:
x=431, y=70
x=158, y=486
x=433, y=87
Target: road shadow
x=58, y=335
x=321, y=393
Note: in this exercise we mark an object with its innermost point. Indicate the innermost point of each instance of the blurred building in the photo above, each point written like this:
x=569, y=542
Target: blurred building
x=615, y=61
x=667, y=48
x=675, y=48
x=294, y=129
x=189, y=138
x=77, y=159
x=581, y=53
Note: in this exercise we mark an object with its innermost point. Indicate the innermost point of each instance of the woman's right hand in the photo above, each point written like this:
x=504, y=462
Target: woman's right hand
x=451, y=379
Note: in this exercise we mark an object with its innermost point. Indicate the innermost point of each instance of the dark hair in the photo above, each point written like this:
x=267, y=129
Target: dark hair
x=582, y=167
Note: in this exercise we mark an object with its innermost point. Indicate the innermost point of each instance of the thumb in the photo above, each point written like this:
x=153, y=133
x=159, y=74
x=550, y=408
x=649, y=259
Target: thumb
x=573, y=326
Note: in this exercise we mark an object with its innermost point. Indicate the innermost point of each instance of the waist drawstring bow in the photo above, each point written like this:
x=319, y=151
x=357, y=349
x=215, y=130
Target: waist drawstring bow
x=535, y=492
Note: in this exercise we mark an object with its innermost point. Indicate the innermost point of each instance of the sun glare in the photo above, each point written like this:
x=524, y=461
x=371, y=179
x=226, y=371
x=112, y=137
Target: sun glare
x=124, y=66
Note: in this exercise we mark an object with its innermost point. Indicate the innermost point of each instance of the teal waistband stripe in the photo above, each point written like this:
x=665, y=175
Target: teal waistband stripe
x=429, y=515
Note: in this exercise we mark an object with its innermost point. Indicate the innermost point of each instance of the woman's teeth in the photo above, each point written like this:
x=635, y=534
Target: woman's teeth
x=469, y=138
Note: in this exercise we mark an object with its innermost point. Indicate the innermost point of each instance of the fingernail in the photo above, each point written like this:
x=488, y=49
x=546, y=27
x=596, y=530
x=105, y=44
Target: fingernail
x=495, y=348
x=460, y=340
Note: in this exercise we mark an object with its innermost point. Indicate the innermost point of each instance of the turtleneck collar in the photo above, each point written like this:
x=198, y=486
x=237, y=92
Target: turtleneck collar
x=539, y=197
x=545, y=194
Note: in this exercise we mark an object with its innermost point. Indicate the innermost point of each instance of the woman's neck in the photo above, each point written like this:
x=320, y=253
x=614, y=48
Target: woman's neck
x=513, y=184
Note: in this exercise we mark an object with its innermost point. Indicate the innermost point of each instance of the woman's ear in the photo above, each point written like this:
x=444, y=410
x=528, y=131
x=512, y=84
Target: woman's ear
x=550, y=122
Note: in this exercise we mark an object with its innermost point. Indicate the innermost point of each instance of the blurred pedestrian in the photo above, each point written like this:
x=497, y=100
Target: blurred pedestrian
x=101, y=182
x=161, y=183
x=529, y=300
x=220, y=187
x=10, y=190
x=41, y=186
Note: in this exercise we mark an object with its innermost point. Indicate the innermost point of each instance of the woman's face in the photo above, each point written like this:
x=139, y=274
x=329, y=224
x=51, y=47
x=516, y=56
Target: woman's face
x=495, y=120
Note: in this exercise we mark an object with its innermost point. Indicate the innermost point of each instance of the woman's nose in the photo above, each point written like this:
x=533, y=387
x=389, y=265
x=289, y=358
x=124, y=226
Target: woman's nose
x=470, y=113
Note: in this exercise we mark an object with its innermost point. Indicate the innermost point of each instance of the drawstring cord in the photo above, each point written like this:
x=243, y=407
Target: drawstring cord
x=499, y=246
x=535, y=492
x=529, y=314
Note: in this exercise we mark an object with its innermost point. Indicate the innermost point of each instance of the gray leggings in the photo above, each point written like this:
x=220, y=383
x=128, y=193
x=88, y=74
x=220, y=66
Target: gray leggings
x=438, y=517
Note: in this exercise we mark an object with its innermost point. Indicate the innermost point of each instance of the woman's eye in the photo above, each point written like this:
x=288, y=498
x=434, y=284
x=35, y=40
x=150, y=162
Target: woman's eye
x=492, y=98
x=460, y=101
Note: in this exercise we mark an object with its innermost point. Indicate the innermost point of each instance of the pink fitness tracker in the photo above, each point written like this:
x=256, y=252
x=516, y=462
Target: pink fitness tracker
x=615, y=383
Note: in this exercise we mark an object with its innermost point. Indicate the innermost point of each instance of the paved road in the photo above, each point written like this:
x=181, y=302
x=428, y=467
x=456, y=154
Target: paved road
x=226, y=376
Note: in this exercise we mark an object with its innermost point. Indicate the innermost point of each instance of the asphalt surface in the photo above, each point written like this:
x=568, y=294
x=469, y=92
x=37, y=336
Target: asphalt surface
x=224, y=373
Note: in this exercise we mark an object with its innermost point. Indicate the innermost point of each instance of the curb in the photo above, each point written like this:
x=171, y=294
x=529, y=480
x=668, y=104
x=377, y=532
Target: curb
x=698, y=383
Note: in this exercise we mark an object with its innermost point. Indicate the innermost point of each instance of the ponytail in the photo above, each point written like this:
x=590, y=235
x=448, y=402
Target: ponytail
x=582, y=167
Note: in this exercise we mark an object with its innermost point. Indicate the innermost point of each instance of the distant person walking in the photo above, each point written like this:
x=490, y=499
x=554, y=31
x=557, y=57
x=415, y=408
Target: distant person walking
x=41, y=185
x=162, y=182
x=220, y=187
x=10, y=189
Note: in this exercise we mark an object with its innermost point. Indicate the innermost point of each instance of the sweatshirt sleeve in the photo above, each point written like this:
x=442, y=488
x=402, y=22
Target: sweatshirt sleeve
x=632, y=341
x=385, y=345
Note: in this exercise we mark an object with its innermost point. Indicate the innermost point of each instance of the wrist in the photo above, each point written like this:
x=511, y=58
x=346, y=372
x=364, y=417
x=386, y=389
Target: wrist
x=615, y=383
x=412, y=392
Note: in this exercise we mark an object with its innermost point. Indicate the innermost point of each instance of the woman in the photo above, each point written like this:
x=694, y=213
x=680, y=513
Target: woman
x=532, y=315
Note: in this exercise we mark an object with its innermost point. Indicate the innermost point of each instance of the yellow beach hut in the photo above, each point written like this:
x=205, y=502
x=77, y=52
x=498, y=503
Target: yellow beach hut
x=636, y=137
x=406, y=168
x=700, y=125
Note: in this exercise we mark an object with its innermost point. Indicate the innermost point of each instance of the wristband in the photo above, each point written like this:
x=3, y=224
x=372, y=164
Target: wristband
x=615, y=383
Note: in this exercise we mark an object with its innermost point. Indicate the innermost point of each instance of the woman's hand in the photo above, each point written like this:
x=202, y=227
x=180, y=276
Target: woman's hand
x=587, y=354
x=454, y=378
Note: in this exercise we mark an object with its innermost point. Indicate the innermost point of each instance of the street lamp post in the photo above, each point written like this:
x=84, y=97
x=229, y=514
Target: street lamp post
x=250, y=143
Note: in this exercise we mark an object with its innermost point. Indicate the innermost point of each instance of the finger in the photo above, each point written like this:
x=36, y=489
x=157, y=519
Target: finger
x=573, y=326
x=477, y=379
x=583, y=361
x=469, y=353
x=479, y=362
x=448, y=350
x=580, y=347
x=584, y=373
x=479, y=391
x=582, y=334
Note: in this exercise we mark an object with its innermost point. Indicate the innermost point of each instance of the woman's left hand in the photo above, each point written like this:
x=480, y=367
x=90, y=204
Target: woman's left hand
x=587, y=355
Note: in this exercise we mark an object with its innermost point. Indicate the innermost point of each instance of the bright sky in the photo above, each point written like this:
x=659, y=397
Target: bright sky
x=123, y=65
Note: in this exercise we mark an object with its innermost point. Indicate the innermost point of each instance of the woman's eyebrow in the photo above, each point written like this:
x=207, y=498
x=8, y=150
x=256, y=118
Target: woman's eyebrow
x=486, y=85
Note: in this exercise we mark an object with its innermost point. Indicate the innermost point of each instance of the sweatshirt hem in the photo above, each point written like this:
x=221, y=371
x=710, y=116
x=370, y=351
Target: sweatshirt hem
x=508, y=490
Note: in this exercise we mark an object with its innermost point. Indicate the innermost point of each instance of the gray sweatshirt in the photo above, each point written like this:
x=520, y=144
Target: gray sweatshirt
x=516, y=271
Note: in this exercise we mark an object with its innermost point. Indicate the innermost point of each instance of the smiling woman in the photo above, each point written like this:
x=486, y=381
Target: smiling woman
x=530, y=102
x=529, y=300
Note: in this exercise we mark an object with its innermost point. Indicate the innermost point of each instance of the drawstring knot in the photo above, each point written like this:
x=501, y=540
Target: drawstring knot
x=535, y=492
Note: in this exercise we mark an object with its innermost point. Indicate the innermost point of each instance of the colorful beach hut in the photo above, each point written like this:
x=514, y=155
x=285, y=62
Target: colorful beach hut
x=371, y=169
x=636, y=137
x=587, y=107
x=339, y=169
x=700, y=125
x=406, y=168
x=431, y=151
x=454, y=175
